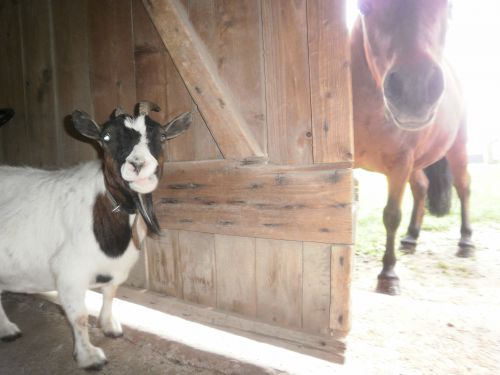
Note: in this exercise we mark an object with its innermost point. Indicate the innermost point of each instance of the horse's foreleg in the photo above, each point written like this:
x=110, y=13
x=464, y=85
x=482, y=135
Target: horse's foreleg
x=457, y=158
x=388, y=281
x=419, y=184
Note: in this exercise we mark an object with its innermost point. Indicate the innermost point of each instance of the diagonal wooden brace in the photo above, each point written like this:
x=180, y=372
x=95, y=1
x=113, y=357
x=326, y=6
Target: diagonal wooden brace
x=197, y=69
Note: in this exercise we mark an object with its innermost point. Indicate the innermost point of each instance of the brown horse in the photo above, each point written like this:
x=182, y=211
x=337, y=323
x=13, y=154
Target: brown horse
x=409, y=116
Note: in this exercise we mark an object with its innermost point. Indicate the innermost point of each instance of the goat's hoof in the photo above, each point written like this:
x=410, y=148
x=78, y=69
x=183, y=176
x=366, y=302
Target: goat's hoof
x=388, y=285
x=10, y=332
x=10, y=338
x=113, y=335
x=94, y=360
x=96, y=366
x=112, y=328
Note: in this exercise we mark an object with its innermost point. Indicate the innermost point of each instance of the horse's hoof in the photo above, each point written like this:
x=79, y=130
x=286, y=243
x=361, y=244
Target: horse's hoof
x=465, y=248
x=465, y=251
x=388, y=285
x=408, y=245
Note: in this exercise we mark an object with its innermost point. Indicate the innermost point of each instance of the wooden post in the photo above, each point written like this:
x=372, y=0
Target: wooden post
x=330, y=77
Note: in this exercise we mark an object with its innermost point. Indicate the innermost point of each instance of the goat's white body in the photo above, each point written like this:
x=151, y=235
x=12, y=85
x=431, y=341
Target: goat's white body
x=47, y=243
x=46, y=230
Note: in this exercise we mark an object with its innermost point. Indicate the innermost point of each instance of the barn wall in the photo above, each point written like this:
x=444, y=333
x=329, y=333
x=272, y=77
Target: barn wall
x=286, y=66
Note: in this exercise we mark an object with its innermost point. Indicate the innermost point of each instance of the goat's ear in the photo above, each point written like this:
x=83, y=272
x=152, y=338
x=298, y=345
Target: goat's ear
x=177, y=126
x=85, y=125
x=5, y=115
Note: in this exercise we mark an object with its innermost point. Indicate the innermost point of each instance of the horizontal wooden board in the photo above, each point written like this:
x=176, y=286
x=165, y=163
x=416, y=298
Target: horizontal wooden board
x=304, y=203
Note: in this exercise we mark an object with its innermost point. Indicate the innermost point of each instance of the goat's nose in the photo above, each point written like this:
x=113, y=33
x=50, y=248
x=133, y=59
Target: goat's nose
x=137, y=165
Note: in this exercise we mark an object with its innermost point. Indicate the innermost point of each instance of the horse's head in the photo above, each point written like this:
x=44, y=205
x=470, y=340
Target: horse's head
x=403, y=42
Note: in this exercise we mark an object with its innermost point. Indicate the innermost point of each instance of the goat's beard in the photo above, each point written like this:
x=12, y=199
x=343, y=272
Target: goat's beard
x=144, y=204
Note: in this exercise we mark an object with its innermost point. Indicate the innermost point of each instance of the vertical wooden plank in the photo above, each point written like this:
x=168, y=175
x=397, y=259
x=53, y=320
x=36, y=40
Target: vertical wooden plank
x=279, y=282
x=150, y=62
x=111, y=56
x=340, y=308
x=39, y=80
x=138, y=277
x=14, y=135
x=331, y=95
x=231, y=31
x=235, y=270
x=164, y=264
x=316, y=287
x=197, y=267
x=158, y=80
x=287, y=81
x=73, y=80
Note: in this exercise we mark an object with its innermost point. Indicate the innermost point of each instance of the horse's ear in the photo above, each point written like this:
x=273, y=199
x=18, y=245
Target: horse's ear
x=450, y=10
x=365, y=7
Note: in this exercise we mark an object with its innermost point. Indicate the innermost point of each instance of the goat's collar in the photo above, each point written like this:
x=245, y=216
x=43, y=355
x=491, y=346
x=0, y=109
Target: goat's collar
x=117, y=207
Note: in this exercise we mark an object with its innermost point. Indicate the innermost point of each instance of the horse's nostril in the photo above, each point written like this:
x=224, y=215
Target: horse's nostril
x=393, y=86
x=435, y=85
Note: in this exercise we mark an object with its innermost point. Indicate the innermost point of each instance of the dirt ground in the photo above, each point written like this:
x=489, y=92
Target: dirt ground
x=446, y=321
x=447, y=318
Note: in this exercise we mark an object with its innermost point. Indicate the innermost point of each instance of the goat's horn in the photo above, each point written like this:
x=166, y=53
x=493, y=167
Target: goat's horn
x=118, y=111
x=145, y=107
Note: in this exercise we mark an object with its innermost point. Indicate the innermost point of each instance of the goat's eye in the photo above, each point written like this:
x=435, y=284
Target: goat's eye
x=163, y=137
x=106, y=137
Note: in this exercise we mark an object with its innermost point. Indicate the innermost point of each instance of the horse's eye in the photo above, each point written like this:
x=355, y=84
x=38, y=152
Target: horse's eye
x=106, y=137
x=365, y=7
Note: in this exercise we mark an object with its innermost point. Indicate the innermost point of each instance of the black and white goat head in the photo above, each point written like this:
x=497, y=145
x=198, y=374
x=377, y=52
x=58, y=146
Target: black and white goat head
x=73, y=229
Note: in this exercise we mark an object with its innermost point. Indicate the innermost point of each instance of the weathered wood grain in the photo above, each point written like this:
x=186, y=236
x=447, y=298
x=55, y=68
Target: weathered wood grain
x=279, y=282
x=287, y=81
x=42, y=134
x=331, y=95
x=111, y=56
x=73, y=77
x=232, y=33
x=226, y=123
x=164, y=274
x=305, y=203
x=341, y=268
x=235, y=270
x=197, y=267
x=316, y=287
x=13, y=136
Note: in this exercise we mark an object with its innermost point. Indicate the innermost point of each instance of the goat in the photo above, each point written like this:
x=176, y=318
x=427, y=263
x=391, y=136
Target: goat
x=5, y=115
x=74, y=229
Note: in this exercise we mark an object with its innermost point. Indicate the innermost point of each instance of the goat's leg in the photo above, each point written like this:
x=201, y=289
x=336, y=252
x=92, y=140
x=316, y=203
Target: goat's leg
x=73, y=302
x=109, y=325
x=8, y=330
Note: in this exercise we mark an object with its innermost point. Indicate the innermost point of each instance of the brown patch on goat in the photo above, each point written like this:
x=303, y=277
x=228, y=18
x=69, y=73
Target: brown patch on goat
x=111, y=229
